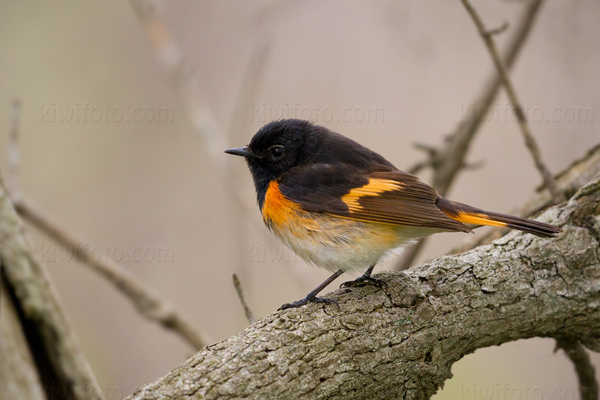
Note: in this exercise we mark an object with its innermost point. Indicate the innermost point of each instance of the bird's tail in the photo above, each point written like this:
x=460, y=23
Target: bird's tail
x=471, y=215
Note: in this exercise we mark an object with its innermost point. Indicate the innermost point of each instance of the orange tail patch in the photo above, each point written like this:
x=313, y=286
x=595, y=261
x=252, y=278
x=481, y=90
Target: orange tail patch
x=471, y=215
x=475, y=219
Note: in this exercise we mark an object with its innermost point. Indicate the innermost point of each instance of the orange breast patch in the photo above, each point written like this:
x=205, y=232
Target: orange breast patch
x=277, y=209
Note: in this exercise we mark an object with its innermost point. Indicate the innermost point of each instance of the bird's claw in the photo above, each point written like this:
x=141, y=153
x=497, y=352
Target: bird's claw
x=308, y=299
x=366, y=280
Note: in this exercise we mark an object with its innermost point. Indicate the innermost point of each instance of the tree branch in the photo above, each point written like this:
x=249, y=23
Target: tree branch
x=14, y=153
x=144, y=298
x=57, y=351
x=586, y=374
x=403, y=346
x=19, y=377
x=530, y=142
x=448, y=159
x=238, y=288
x=183, y=82
x=568, y=182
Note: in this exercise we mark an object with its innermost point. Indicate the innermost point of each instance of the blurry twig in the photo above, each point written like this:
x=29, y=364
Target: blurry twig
x=586, y=374
x=568, y=182
x=514, y=101
x=182, y=78
x=143, y=297
x=252, y=80
x=183, y=82
x=448, y=159
x=148, y=303
x=240, y=292
x=184, y=85
x=14, y=155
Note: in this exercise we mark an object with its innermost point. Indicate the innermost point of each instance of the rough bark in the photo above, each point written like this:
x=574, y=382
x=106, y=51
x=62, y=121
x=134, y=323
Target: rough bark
x=58, y=358
x=404, y=345
x=18, y=376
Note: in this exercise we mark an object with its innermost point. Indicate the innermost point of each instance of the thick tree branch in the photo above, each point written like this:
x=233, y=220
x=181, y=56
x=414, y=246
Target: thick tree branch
x=19, y=377
x=448, y=159
x=57, y=351
x=403, y=346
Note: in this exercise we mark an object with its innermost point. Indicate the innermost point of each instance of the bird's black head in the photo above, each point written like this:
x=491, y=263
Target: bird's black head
x=276, y=148
x=282, y=145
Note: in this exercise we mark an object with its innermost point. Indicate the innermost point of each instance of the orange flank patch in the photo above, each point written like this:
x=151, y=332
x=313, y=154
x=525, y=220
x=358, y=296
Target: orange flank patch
x=476, y=219
x=373, y=188
x=277, y=209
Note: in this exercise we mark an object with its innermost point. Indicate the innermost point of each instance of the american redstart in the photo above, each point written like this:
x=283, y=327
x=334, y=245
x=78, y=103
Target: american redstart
x=341, y=206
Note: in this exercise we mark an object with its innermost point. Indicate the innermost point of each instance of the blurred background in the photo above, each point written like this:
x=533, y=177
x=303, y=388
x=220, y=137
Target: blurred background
x=111, y=154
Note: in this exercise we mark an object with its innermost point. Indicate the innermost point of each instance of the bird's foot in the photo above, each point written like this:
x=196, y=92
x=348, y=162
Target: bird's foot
x=365, y=280
x=308, y=299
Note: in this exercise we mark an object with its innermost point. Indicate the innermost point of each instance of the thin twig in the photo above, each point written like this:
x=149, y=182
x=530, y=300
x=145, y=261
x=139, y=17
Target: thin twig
x=144, y=298
x=515, y=103
x=568, y=181
x=449, y=158
x=499, y=30
x=253, y=77
x=184, y=85
x=183, y=82
x=238, y=135
x=586, y=373
x=240, y=292
x=14, y=155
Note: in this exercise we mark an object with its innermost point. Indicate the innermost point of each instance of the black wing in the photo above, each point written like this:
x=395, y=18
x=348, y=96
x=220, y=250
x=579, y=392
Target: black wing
x=382, y=194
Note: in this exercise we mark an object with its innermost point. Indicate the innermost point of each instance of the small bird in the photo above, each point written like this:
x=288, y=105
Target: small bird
x=340, y=206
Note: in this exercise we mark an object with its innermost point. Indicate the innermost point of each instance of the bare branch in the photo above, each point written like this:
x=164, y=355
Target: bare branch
x=40, y=311
x=183, y=82
x=514, y=101
x=19, y=377
x=568, y=182
x=14, y=155
x=499, y=30
x=586, y=373
x=250, y=84
x=144, y=298
x=449, y=159
x=238, y=288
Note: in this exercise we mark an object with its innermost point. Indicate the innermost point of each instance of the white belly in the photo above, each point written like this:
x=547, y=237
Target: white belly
x=337, y=243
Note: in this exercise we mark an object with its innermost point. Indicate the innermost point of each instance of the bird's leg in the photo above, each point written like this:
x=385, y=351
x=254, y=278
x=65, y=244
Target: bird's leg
x=366, y=279
x=312, y=296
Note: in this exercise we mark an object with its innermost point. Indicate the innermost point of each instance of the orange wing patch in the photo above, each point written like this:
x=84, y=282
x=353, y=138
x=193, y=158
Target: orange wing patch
x=374, y=188
x=476, y=219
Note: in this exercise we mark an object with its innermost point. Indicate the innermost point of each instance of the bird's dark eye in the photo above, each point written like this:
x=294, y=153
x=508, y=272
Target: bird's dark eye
x=277, y=151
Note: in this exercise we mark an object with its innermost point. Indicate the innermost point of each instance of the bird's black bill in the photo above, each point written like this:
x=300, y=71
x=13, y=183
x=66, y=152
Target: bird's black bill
x=240, y=151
